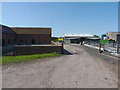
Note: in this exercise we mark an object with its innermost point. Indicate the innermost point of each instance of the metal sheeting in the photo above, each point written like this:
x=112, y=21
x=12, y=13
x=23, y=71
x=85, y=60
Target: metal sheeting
x=75, y=35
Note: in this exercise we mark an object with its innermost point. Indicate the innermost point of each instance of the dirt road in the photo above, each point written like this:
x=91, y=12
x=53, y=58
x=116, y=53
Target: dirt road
x=82, y=69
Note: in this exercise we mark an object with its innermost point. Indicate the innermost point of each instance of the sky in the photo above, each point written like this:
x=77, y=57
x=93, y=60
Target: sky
x=63, y=17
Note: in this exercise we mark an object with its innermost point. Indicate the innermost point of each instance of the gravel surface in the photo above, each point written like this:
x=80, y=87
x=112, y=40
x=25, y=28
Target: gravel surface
x=84, y=68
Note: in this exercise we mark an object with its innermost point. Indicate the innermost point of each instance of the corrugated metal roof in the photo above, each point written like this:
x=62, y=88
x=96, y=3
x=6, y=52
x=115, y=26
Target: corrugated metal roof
x=77, y=35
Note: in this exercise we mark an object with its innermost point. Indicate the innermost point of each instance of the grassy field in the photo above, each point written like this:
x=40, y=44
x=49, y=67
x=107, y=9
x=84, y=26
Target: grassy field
x=16, y=59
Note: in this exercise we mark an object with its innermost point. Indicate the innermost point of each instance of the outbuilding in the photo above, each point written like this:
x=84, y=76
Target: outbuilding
x=75, y=37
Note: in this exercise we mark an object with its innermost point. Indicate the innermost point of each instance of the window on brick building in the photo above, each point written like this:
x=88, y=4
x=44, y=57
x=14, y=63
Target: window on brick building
x=3, y=42
x=14, y=41
x=26, y=42
x=21, y=41
x=8, y=41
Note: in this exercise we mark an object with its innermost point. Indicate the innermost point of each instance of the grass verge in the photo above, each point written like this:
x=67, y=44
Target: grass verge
x=16, y=59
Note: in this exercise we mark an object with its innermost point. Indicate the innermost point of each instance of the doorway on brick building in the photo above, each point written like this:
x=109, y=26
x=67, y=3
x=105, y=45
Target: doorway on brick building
x=33, y=41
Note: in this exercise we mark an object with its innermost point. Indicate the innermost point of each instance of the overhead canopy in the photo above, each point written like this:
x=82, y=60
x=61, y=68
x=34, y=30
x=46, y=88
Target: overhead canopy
x=77, y=35
x=94, y=38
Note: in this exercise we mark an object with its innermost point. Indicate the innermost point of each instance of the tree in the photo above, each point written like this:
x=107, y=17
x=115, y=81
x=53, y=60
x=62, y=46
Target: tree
x=56, y=39
x=96, y=36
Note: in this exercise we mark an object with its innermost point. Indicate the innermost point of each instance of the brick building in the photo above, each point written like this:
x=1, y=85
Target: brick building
x=25, y=36
x=8, y=36
x=27, y=41
x=112, y=35
x=28, y=36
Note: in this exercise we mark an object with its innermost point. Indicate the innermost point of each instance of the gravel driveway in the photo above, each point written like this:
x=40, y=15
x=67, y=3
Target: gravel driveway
x=81, y=69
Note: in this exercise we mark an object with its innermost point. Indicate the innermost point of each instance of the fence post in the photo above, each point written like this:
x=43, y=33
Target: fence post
x=118, y=43
x=62, y=47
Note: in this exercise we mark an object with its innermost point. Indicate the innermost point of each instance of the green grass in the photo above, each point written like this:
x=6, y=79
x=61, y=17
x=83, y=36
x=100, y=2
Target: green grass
x=16, y=59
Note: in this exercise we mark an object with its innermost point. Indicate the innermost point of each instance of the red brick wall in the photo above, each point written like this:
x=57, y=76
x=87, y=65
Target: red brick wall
x=23, y=39
x=45, y=39
x=6, y=37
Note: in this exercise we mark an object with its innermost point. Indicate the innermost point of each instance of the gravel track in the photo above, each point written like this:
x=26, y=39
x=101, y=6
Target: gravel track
x=84, y=68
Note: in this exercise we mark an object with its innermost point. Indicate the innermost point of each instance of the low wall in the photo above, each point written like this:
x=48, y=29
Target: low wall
x=27, y=50
x=6, y=50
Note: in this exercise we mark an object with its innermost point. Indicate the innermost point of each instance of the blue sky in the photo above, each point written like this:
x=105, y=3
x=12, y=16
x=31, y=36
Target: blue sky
x=63, y=17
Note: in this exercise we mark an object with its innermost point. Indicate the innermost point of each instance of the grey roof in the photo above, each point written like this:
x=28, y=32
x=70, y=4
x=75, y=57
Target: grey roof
x=5, y=29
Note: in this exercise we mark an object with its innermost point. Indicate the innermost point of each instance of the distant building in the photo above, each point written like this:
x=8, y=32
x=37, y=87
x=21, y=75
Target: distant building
x=118, y=38
x=75, y=38
x=112, y=35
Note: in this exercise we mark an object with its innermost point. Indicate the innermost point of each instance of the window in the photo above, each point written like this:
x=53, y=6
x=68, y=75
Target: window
x=21, y=41
x=8, y=41
x=3, y=42
x=26, y=42
x=14, y=41
x=33, y=41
